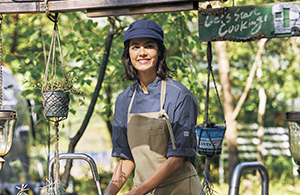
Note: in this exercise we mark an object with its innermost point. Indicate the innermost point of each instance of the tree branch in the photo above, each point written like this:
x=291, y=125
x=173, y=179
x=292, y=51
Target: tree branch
x=74, y=140
x=257, y=61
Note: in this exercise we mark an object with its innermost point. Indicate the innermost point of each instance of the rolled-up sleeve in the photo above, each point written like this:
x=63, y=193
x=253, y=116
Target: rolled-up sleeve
x=119, y=131
x=183, y=124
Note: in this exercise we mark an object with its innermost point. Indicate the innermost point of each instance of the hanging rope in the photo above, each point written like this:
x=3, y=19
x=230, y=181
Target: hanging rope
x=1, y=62
x=209, y=67
x=55, y=37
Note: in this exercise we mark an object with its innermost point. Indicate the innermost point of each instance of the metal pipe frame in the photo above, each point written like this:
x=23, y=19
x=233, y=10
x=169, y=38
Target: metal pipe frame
x=81, y=156
x=235, y=181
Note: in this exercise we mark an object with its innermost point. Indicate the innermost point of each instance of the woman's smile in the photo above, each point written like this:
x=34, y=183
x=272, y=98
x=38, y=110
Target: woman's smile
x=143, y=61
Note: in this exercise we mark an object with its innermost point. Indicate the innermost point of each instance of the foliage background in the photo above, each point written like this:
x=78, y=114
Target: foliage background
x=83, y=45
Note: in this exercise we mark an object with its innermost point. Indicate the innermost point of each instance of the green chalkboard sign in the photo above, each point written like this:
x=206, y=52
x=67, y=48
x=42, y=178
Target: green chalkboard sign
x=249, y=23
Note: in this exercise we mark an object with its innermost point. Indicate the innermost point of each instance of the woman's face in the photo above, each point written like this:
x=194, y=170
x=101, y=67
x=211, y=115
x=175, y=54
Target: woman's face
x=143, y=54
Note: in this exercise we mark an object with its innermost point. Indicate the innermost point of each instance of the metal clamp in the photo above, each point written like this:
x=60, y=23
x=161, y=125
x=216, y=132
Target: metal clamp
x=235, y=181
x=82, y=156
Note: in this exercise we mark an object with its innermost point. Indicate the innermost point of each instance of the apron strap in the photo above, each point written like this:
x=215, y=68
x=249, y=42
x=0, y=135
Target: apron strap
x=130, y=105
x=164, y=116
x=163, y=93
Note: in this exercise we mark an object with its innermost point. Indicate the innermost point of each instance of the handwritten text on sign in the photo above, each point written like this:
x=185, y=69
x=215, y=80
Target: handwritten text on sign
x=242, y=22
x=239, y=22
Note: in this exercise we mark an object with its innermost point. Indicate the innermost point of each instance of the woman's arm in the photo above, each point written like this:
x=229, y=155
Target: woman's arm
x=167, y=169
x=120, y=176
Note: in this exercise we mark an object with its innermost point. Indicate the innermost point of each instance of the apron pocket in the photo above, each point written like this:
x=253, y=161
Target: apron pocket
x=159, y=142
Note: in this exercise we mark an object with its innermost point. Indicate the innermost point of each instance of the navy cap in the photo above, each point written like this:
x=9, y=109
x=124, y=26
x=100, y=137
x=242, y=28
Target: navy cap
x=144, y=29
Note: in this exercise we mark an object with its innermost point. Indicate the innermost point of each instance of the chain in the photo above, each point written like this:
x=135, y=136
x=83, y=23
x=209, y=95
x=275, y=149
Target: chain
x=1, y=62
x=56, y=155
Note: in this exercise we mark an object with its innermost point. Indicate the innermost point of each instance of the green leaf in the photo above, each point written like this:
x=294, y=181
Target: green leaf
x=176, y=58
x=107, y=108
x=87, y=33
x=72, y=111
x=191, y=46
x=77, y=26
x=7, y=58
x=95, y=24
x=9, y=87
x=26, y=92
x=37, y=108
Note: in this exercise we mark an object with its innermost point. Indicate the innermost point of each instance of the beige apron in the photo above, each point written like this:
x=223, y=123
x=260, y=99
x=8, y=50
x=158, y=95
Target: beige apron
x=148, y=137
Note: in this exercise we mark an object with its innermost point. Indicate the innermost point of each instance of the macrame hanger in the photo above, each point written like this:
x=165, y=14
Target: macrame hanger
x=55, y=37
x=210, y=71
x=209, y=67
x=1, y=62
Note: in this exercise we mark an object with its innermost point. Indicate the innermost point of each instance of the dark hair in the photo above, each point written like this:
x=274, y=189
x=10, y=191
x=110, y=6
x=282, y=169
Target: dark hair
x=162, y=70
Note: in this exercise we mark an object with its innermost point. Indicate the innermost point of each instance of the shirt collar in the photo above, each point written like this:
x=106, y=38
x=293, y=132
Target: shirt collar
x=149, y=87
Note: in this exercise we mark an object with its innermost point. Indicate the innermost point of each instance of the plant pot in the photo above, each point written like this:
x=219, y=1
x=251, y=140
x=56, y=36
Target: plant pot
x=56, y=103
x=211, y=139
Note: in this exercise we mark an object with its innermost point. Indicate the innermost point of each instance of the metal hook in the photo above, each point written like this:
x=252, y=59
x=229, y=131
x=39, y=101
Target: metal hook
x=209, y=6
x=46, y=6
x=52, y=17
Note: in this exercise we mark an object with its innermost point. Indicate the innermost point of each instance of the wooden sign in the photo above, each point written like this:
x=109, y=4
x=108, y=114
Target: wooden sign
x=249, y=23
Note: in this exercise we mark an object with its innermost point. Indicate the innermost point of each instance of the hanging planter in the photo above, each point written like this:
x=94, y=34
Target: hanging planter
x=56, y=97
x=209, y=135
x=56, y=90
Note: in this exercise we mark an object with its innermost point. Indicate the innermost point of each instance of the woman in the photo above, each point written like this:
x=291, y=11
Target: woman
x=154, y=119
